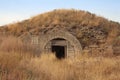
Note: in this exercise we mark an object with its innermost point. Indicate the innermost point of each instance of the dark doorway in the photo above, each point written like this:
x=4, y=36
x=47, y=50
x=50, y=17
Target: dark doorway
x=59, y=51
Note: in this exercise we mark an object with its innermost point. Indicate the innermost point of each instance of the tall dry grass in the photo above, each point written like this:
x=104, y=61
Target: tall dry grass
x=47, y=67
x=14, y=44
x=21, y=66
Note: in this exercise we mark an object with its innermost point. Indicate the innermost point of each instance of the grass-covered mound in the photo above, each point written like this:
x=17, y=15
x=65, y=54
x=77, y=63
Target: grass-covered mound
x=87, y=27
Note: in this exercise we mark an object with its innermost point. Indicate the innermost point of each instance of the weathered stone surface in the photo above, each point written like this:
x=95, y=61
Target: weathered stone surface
x=44, y=41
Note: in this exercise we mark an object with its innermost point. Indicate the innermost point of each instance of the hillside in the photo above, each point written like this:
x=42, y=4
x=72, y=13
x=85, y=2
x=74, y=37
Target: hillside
x=25, y=61
x=87, y=27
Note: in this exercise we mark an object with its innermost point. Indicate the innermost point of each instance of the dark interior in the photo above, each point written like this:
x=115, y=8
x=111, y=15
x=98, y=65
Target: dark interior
x=59, y=51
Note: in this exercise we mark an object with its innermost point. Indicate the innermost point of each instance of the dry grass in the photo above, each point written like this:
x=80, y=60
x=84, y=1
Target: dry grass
x=14, y=44
x=14, y=66
x=17, y=64
x=64, y=17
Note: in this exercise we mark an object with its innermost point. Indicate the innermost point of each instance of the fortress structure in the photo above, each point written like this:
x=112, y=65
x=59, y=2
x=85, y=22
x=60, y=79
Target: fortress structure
x=60, y=42
x=64, y=44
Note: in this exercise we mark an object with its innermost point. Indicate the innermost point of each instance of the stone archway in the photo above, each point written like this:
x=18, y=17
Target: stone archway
x=71, y=43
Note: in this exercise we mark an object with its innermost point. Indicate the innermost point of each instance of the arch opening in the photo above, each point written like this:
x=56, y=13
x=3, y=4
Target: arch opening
x=59, y=47
x=59, y=51
x=62, y=43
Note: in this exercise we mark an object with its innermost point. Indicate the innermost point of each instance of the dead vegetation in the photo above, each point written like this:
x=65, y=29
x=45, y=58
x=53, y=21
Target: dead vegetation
x=64, y=18
x=14, y=44
x=17, y=64
x=14, y=66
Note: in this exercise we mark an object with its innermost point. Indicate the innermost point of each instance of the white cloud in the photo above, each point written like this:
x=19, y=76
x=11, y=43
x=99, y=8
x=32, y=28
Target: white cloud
x=11, y=18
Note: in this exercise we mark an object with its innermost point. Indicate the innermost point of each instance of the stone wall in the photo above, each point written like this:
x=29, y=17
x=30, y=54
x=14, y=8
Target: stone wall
x=42, y=41
x=74, y=46
x=95, y=50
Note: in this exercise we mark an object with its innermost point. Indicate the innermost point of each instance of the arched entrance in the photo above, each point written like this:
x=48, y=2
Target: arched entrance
x=60, y=42
x=59, y=47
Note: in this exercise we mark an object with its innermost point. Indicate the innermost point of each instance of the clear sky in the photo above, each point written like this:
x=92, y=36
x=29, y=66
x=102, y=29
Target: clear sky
x=16, y=10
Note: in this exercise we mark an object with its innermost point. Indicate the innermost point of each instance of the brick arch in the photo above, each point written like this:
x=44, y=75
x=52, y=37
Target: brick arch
x=44, y=40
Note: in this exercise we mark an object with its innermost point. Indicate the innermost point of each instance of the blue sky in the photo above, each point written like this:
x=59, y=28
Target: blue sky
x=16, y=10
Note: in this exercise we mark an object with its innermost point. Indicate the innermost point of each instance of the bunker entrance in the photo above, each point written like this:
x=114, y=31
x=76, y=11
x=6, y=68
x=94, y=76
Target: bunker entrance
x=59, y=51
x=59, y=47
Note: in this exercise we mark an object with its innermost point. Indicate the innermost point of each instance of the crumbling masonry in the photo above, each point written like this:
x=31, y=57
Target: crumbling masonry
x=64, y=44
